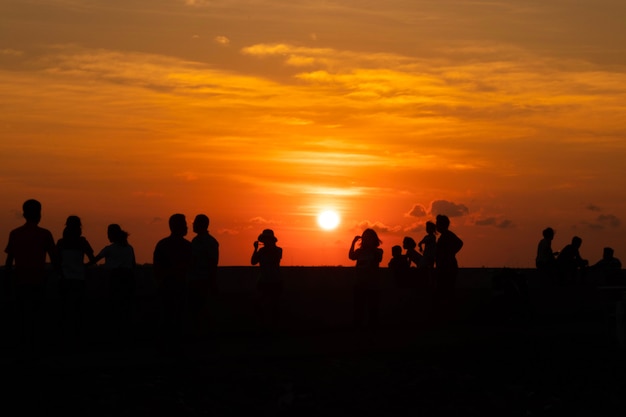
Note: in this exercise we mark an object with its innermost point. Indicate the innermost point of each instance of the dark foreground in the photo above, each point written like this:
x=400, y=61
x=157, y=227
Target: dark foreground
x=455, y=370
x=557, y=355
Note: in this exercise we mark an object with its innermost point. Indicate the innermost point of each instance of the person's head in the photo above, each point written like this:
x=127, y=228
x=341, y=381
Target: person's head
x=200, y=223
x=576, y=242
x=442, y=223
x=409, y=243
x=370, y=239
x=396, y=251
x=608, y=253
x=178, y=225
x=31, y=210
x=73, y=227
x=431, y=227
x=548, y=233
x=267, y=237
x=116, y=234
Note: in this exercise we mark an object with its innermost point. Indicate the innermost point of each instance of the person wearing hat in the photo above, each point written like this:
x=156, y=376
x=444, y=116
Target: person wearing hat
x=270, y=283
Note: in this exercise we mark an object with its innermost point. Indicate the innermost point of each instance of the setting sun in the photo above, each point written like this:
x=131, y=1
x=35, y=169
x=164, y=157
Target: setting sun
x=328, y=220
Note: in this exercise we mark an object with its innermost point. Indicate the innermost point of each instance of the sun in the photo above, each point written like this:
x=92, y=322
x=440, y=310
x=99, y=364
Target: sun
x=328, y=219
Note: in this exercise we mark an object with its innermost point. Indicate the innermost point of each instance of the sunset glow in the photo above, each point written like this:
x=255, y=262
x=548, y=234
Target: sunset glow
x=328, y=220
x=508, y=116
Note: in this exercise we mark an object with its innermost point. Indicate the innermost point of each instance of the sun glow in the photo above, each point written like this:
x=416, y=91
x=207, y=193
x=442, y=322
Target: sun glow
x=328, y=220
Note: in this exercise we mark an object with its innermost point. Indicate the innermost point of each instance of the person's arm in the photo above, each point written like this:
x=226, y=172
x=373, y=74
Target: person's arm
x=352, y=252
x=100, y=256
x=88, y=250
x=9, y=262
x=255, y=255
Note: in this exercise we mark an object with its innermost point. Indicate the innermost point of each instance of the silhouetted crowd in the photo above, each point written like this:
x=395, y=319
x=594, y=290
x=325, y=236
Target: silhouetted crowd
x=185, y=272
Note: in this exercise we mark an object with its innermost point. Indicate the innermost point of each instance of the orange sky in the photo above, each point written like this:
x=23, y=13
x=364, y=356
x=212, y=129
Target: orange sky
x=506, y=115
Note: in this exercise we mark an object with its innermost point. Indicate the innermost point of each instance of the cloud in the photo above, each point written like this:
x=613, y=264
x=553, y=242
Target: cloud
x=604, y=221
x=593, y=207
x=187, y=176
x=222, y=40
x=11, y=52
x=448, y=208
x=226, y=231
x=417, y=211
x=492, y=221
x=260, y=220
x=378, y=227
x=609, y=220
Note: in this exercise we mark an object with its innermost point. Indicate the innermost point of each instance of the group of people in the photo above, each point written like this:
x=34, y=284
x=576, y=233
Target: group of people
x=184, y=272
x=568, y=267
x=435, y=264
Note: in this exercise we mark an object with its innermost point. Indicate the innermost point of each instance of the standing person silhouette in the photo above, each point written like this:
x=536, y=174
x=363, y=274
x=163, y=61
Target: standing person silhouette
x=27, y=249
x=270, y=284
x=202, y=280
x=428, y=246
x=414, y=257
x=446, y=265
x=399, y=266
x=72, y=249
x=119, y=263
x=368, y=287
x=546, y=258
x=172, y=260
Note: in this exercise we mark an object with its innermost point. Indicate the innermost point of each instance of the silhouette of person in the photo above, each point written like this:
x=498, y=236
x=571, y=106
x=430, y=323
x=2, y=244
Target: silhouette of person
x=367, y=288
x=270, y=284
x=610, y=268
x=446, y=265
x=26, y=250
x=570, y=263
x=546, y=258
x=428, y=244
x=414, y=257
x=399, y=266
x=202, y=280
x=172, y=260
x=119, y=263
x=72, y=249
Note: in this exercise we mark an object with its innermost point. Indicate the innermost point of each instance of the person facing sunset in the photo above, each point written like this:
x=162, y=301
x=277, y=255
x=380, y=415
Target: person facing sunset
x=270, y=284
x=27, y=249
x=446, y=265
x=367, y=288
x=172, y=261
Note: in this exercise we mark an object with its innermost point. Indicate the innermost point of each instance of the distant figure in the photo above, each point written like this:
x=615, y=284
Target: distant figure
x=446, y=265
x=546, y=258
x=202, y=280
x=368, y=287
x=119, y=263
x=610, y=268
x=172, y=260
x=414, y=257
x=570, y=264
x=270, y=284
x=399, y=266
x=428, y=246
x=27, y=249
x=72, y=249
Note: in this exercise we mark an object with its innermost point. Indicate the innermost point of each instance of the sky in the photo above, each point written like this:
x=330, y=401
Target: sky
x=507, y=116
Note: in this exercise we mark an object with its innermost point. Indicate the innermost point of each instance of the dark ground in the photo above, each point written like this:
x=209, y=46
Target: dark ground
x=496, y=357
x=456, y=370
